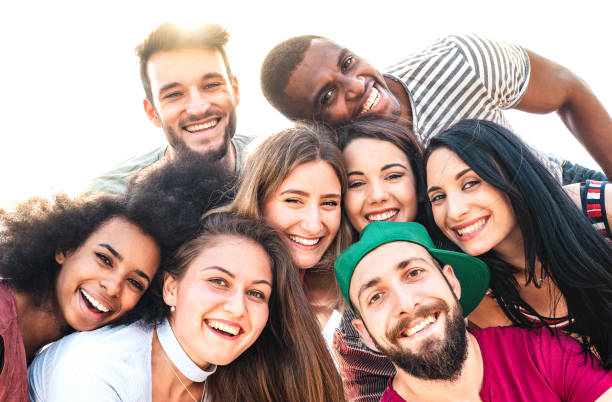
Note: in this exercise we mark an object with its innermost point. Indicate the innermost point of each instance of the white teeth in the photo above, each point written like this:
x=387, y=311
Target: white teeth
x=221, y=326
x=383, y=216
x=372, y=101
x=472, y=228
x=94, y=302
x=420, y=326
x=198, y=127
x=306, y=242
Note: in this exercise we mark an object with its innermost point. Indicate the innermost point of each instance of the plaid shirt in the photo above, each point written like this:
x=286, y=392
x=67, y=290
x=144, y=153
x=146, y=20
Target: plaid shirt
x=365, y=372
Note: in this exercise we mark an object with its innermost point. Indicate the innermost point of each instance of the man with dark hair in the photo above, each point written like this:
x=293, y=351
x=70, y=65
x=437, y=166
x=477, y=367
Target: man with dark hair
x=191, y=94
x=458, y=77
x=410, y=299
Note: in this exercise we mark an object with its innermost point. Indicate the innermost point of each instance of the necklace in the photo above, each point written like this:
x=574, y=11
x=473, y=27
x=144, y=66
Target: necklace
x=181, y=381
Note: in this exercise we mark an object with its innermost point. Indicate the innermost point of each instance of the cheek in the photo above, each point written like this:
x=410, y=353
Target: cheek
x=332, y=221
x=259, y=318
x=353, y=203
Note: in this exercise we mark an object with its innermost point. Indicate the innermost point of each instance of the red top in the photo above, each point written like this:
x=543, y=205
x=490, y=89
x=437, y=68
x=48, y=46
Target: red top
x=533, y=365
x=13, y=374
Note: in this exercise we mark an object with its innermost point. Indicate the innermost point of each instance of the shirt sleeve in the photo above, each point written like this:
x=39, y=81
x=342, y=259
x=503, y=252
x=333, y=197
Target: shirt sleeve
x=574, y=376
x=503, y=68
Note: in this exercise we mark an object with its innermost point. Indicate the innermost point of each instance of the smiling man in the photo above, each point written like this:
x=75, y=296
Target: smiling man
x=457, y=77
x=410, y=299
x=191, y=95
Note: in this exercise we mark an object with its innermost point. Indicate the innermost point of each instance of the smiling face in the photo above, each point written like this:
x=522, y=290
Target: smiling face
x=106, y=276
x=221, y=300
x=334, y=85
x=473, y=214
x=305, y=210
x=194, y=99
x=409, y=310
x=381, y=185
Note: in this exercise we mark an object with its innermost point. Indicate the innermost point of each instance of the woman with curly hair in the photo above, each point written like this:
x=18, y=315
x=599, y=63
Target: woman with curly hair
x=77, y=264
x=230, y=304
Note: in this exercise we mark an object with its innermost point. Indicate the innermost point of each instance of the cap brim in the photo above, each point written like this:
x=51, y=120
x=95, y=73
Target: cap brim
x=472, y=273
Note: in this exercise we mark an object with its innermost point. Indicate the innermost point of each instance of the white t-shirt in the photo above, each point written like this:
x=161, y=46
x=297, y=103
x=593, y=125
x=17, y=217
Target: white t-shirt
x=108, y=364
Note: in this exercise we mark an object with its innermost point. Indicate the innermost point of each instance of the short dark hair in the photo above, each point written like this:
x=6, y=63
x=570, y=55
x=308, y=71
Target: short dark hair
x=277, y=68
x=169, y=36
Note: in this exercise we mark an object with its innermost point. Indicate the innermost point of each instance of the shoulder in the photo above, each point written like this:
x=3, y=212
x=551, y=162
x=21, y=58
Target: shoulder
x=8, y=306
x=116, y=179
x=97, y=358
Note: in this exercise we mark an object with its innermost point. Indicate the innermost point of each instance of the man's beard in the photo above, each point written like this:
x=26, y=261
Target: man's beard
x=436, y=359
x=182, y=149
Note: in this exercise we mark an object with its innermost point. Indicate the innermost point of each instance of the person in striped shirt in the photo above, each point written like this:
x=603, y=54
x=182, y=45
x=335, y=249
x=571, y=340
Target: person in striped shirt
x=457, y=77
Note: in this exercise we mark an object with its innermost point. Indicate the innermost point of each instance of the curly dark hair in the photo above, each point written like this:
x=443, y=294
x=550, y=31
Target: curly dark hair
x=165, y=204
x=277, y=68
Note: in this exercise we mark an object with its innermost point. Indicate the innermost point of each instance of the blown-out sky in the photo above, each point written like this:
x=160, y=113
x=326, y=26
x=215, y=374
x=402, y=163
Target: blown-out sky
x=71, y=100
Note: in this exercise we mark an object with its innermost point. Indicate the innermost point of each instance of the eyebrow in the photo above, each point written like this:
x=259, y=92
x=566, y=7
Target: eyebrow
x=120, y=258
x=205, y=77
x=231, y=275
x=315, y=101
x=305, y=194
x=387, y=166
x=457, y=177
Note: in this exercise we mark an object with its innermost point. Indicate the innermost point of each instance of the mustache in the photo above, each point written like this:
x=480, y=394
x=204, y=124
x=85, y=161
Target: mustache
x=211, y=112
x=421, y=312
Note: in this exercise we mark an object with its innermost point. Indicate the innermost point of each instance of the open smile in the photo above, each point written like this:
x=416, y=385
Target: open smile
x=95, y=307
x=371, y=101
x=421, y=325
x=223, y=328
x=468, y=230
x=387, y=215
x=309, y=242
x=201, y=126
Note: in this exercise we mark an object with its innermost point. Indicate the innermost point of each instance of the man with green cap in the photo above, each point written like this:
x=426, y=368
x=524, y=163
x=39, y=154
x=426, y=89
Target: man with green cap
x=411, y=299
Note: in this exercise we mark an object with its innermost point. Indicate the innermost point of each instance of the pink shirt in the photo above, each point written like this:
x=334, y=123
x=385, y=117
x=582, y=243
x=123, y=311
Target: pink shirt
x=533, y=365
x=14, y=375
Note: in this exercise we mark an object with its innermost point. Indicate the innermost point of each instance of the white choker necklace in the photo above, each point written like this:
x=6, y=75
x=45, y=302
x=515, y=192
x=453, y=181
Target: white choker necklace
x=178, y=356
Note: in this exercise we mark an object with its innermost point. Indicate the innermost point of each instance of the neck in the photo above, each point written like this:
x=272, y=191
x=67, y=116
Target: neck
x=228, y=161
x=166, y=385
x=466, y=387
x=39, y=325
x=398, y=90
x=512, y=248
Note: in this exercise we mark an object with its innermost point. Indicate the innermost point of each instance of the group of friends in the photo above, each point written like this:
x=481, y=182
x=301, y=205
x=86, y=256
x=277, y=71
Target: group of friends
x=457, y=262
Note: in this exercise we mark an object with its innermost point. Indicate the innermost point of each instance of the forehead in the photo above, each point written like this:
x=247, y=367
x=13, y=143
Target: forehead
x=116, y=230
x=444, y=163
x=317, y=67
x=178, y=65
x=244, y=258
x=317, y=175
x=372, y=152
x=380, y=262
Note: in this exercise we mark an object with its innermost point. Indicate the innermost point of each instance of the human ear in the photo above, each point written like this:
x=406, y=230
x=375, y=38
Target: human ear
x=453, y=282
x=363, y=332
x=151, y=112
x=60, y=257
x=236, y=90
x=169, y=289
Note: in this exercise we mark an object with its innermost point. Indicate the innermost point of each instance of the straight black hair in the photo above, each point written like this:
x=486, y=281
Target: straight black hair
x=555, y=233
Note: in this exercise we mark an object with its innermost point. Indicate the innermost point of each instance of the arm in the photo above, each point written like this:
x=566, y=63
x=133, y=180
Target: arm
x=553, y=87
x=573, y=190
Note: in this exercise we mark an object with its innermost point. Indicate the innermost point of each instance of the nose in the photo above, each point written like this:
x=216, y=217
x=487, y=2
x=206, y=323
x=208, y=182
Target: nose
x=406, y=300
x=197, y=103
x=311, y=219
x=234, y=304
x=112, y=284
x=353, y=87
x=377, y=192
x=457, y=206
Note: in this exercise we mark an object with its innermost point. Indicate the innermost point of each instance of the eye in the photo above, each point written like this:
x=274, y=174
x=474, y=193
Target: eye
x=414, y=273
x=172, y=95
x=102, y=257
x=136, y=284
x=470, y=183
x=292, y=201
x=394, y=176
x=436, y=198
x=330, y=203
x=346, y=64
x=257, y=294
x=219, y=282
x=212, y=85
x=325, y=98
x=356, y=184
x=374, y=298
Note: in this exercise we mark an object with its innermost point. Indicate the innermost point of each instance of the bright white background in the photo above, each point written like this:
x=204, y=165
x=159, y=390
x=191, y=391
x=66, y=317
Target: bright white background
x=70, y=94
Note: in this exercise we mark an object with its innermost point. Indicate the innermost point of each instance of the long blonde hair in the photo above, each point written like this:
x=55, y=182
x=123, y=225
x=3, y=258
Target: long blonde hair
x=270, y=164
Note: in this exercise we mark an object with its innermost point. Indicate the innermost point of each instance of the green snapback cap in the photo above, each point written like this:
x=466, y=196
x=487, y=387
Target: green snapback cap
x=472, y=273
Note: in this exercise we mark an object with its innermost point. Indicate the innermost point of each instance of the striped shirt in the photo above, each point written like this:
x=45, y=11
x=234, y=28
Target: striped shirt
x=464, y=77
